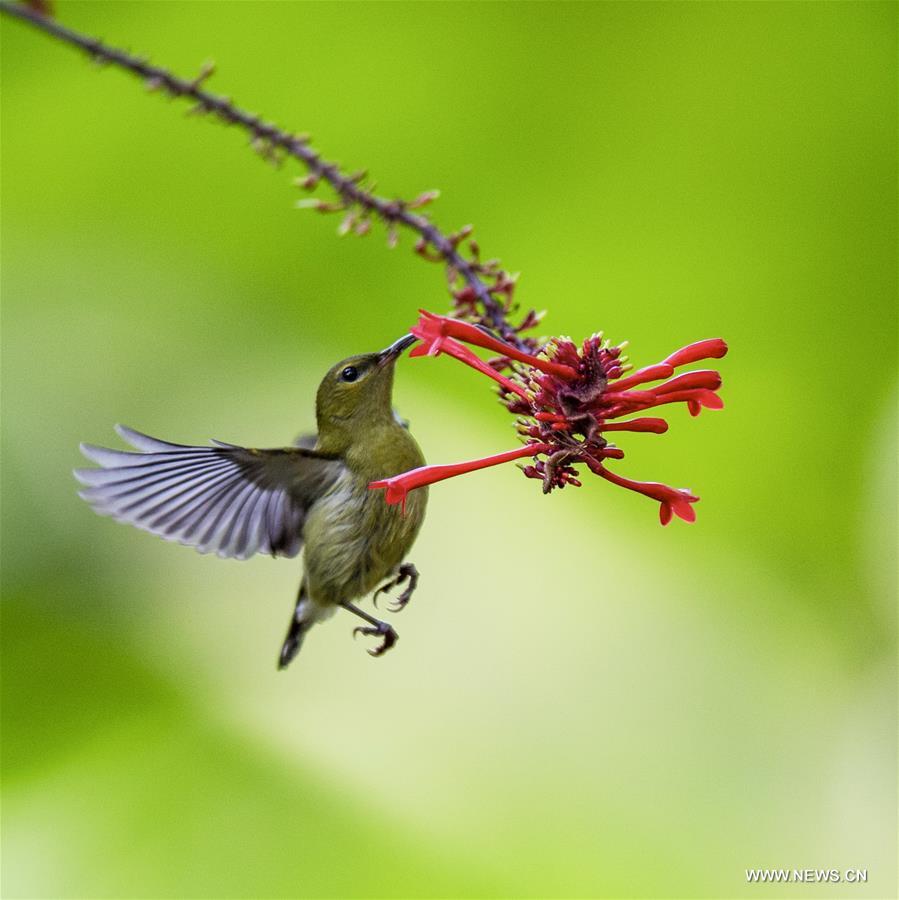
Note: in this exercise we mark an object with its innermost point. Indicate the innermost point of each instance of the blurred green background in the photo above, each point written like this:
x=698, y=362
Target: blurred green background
x=582, y=703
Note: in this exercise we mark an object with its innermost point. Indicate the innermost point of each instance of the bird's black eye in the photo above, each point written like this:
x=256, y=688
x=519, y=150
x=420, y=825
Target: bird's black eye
x=350, y=373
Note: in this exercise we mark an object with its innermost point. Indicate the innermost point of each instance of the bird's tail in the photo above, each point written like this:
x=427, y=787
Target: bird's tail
x=301, y=621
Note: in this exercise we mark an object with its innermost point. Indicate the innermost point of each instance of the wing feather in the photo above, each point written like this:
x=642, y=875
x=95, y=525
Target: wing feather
x=225, y=498
x=151, y=484
x=144, y=442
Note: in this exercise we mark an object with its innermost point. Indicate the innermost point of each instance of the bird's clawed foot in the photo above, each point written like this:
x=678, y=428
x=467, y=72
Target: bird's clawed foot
x=407, y=572
x=382, y=629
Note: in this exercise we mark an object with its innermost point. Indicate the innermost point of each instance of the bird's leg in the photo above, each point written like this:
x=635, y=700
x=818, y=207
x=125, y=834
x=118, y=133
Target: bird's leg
x=410, y=573
x=407, y=571
x=377, y=627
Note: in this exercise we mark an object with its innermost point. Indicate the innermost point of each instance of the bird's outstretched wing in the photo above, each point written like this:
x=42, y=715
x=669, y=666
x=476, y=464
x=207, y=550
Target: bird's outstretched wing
x=227, y=499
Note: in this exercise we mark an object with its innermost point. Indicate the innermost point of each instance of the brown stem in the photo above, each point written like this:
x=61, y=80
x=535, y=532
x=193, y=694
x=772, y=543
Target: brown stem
x=392, y=212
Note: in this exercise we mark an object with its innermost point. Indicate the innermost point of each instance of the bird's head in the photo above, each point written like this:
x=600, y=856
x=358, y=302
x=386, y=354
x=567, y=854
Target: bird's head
x=357, y=393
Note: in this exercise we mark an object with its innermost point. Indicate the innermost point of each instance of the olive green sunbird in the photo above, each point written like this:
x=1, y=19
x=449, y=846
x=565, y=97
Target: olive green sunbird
x=238, y=501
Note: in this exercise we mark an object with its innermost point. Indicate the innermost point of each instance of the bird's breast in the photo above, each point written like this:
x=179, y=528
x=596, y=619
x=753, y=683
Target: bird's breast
x=354, y=540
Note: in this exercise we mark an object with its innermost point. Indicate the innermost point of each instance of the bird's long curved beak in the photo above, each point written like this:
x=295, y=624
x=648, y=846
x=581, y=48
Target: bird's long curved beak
x=396, y=348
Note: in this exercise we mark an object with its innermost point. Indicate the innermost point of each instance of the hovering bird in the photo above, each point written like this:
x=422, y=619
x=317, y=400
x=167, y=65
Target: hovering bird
x=237, y=501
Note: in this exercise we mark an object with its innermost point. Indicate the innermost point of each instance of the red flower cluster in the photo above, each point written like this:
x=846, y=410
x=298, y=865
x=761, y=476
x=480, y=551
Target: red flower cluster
x=566, y=398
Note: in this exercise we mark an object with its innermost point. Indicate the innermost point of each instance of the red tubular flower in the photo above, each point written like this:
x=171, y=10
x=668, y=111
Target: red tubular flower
x=463, y=354
x=714, y=348
x=399, y=486
x=672, y=500
x=655, y=426
x=434, y=330
x=565, y=397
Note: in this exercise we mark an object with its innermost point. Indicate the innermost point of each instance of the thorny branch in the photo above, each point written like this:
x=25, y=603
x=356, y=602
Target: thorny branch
x=482, y=291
